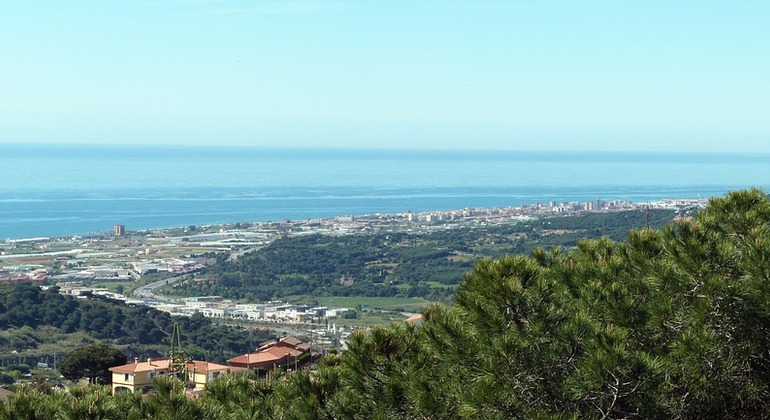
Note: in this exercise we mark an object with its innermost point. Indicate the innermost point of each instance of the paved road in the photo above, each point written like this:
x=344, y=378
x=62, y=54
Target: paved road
x=235, y=255
x=147, y=292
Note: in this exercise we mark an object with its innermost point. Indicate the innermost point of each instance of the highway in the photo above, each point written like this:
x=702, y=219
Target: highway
x=147, y=292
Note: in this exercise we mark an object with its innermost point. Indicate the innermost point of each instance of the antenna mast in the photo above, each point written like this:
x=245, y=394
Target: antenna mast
x=647, y=215
x=179, y=358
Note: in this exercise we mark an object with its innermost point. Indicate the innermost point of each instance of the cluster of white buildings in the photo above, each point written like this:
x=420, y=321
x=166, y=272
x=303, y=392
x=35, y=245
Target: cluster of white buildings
x=72, y=271
x=595, y=205
x=455, y=215
x=76, y=289
x=217, y=307
x=171, y=265
x=680, y=203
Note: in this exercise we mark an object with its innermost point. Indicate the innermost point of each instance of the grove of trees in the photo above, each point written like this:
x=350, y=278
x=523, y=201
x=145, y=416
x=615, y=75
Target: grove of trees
x=32, y=319
x=92, y=362
x=399, y=264
x=670, y=323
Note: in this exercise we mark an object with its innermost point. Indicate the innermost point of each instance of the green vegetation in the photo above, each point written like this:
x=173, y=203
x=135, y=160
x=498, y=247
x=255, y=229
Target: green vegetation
x=401, y=265
x=394, y=303
x=39, y=326
x=670, y=323
x=112, y=286
x=91, y=362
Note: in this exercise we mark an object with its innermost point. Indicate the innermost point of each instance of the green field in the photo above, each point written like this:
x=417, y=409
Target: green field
x=128, y=285
x=387, y=303
x=370, y=319
x=437, y=285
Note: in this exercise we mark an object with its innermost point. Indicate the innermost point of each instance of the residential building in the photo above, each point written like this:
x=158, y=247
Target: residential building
x=287, y=352
x=140, y=375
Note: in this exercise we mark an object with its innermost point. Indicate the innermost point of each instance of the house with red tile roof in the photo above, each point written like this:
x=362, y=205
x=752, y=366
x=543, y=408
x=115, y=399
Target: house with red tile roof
x=140, y=375
x=287, y=352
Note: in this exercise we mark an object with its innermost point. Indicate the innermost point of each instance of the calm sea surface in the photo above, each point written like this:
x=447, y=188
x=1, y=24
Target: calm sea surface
x=72, y=190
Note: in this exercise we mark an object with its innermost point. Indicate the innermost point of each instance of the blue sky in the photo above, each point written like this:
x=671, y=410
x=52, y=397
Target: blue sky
x=534, y=75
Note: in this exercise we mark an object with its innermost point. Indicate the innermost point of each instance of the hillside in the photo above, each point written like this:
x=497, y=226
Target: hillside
x=37, y=326
x=670, y=323
x=41, y=326
x=427, y=265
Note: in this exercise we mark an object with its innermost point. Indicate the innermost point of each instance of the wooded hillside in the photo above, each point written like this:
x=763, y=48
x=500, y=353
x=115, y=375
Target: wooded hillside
x=40, y=324
x=397, y=264
x=670, y=323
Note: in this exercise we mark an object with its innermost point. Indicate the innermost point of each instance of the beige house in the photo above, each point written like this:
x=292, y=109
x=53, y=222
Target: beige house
x=139, y=375
x=288, y=352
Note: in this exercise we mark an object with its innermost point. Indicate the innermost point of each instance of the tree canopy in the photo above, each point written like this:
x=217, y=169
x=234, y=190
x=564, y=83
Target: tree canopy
x=670, y=323
x=36, y=319
x=403, y=264
x=92, y=362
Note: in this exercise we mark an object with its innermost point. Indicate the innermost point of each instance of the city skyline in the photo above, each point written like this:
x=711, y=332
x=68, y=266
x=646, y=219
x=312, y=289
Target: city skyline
x=525, y=75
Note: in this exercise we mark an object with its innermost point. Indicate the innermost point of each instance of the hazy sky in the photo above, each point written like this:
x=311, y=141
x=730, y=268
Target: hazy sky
x=540, y=74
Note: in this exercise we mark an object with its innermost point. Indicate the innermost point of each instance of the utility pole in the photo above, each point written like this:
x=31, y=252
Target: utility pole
x=179, y=358
x=647, y=216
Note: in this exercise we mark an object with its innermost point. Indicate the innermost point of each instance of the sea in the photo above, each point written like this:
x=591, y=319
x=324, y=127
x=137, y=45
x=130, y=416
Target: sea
x=66, y=190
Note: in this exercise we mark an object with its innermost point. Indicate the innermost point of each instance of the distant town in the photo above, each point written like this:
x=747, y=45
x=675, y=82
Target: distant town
x=109, y=264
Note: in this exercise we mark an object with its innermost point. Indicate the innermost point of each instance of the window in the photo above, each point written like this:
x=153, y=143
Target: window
x=126, y=376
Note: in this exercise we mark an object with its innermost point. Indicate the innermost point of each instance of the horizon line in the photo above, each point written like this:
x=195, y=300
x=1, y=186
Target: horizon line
x=199, y=146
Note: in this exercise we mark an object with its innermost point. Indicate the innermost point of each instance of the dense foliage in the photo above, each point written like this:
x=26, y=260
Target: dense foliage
x=671, y=323
x=397, y=264
x=92, y=362
x=31, y=317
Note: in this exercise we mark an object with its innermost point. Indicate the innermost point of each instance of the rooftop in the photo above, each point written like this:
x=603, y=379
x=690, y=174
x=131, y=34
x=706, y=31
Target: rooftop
x=274, y=351
x=158, y=364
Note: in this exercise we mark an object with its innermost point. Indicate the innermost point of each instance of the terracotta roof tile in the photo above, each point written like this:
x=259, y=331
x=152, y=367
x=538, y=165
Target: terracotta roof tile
x=273, y=352
x=290, y=341
x=148, y=366
x=158, y=364
x=202, y=366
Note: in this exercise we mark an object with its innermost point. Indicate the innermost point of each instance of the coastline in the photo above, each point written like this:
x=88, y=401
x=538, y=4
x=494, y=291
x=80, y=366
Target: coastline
x=494, y=214
x=80, y=189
